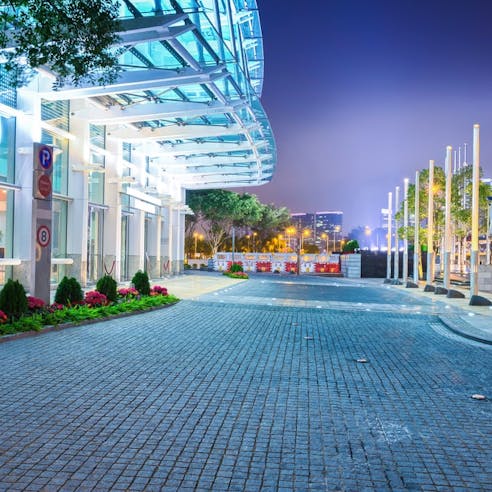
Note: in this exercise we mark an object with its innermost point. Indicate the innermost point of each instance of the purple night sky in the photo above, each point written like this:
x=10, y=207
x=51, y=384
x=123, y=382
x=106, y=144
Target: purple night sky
x=361, y=94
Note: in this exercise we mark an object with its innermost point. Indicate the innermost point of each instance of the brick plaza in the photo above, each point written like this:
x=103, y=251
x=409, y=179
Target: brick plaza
x=255, y=387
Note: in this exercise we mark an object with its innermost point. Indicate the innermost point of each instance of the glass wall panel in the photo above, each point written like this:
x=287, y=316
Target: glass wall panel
x=6, y=228
x=59, y=238
x=124, y=274
x=7, y=149
x=95, y=244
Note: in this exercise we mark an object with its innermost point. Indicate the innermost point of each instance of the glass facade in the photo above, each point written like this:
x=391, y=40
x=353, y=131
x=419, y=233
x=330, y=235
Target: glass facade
x=7, y=149
x=95, y=244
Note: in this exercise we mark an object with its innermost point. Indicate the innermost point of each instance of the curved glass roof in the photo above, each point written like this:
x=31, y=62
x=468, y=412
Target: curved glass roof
x=188, y=93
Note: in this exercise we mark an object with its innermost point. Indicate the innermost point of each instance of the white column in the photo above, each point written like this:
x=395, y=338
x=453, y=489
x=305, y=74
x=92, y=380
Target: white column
x=136, y=242
x=78, y=190
x=405, y=225
x=475, y=211
x=447, y=218
x=416, y=237
x=112, y=216
x=23, y=235
x=430, y=226
x=390, y=218
x=396, y=266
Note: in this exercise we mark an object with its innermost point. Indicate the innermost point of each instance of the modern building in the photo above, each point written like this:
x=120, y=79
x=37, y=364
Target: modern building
x=321, y=226
x=184, y=114
x=329, y=222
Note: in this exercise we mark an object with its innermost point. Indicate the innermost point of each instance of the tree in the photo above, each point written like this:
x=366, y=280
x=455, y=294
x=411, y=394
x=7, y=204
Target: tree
x=218, y=211
x=71, y=38
x=273, y=221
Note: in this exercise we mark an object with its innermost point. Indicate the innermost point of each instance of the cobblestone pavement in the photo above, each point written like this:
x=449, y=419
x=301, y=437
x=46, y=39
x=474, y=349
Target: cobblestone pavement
x=242, y=395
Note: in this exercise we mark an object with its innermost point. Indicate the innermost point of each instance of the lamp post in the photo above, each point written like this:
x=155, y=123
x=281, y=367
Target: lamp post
x=196, y=236
x=489, y=211
x=248, y=237
x=388, y=254
x=447, y=218
x=325, y=236
x=396, y=258
x=430, y=226
x=416, y=239
x=305, y=233
x=475, y=212
x=405, y=226
x=254, y=241
x=335, y=230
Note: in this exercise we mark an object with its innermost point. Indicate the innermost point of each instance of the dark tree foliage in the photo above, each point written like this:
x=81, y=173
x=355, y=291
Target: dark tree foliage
x=71, y=38
x=13, y=300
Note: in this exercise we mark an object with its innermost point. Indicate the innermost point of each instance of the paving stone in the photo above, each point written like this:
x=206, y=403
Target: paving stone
x=231, y=396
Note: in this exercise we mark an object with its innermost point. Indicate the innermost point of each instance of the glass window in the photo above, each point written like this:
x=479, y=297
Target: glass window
x=95, y=244
x=6, y=226
x=124, y=274
x=96, y=181
x=59, y=238
x=7, y=149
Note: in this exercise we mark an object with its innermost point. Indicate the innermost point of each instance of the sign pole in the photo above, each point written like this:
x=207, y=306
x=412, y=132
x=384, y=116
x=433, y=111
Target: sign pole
x=42, y=209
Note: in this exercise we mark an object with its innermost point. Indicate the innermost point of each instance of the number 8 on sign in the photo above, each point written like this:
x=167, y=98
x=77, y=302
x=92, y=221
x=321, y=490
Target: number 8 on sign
x=43, y=236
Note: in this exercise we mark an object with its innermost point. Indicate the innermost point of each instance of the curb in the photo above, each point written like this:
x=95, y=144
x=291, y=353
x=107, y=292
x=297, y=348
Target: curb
x=64, y=326
x=456, y=325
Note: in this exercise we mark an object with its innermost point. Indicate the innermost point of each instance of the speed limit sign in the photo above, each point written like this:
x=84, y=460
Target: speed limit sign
x=43, y=236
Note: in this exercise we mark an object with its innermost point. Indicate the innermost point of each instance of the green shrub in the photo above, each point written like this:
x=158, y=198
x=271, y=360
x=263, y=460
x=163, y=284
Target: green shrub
x=107, y=285
x=13, y=299
x=351, y=246
x=69, y=292
x=141, y=282
x=236, y=267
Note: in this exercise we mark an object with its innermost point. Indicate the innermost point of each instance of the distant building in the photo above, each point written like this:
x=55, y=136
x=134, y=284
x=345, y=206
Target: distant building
x=320, y=224
x=303, y=221
x=329, y=222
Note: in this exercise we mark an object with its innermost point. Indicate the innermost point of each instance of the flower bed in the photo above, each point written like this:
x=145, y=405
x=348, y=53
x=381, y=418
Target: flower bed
x=94, y=306
x=242, y=275
x=263, y=266
x=291, y=266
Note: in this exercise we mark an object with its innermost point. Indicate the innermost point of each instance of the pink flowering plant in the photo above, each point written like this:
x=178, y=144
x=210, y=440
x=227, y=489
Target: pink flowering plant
x=158, y=290
x=128, y=293
x=3, y=318
x=94, y=298
x=35, y=303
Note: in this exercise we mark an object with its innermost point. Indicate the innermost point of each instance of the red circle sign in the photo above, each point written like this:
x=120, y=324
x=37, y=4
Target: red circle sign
x=44, y=185
x=43, y=236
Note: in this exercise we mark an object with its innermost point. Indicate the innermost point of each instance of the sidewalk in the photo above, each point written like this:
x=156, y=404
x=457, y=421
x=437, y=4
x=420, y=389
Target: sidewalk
x=191, y=285
x=474, y=323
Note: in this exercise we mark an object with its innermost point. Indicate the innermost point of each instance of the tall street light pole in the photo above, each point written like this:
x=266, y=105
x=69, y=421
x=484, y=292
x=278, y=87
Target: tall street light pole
x=475, y=212
x=405, y=225
x=430, y=226
x=489, y=211
x=396, y=266
x=388, y=255
x=416, y=239
x=447, y=217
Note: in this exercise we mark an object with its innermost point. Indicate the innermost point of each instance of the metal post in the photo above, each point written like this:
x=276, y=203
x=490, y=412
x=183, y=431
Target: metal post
x=489, y=211
x=396, y=266
x=405, y=225
x=447, y=218
x=475, y=211
x=233, y=243
x=430, y=226
x=416, y=240
x=388, y=256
